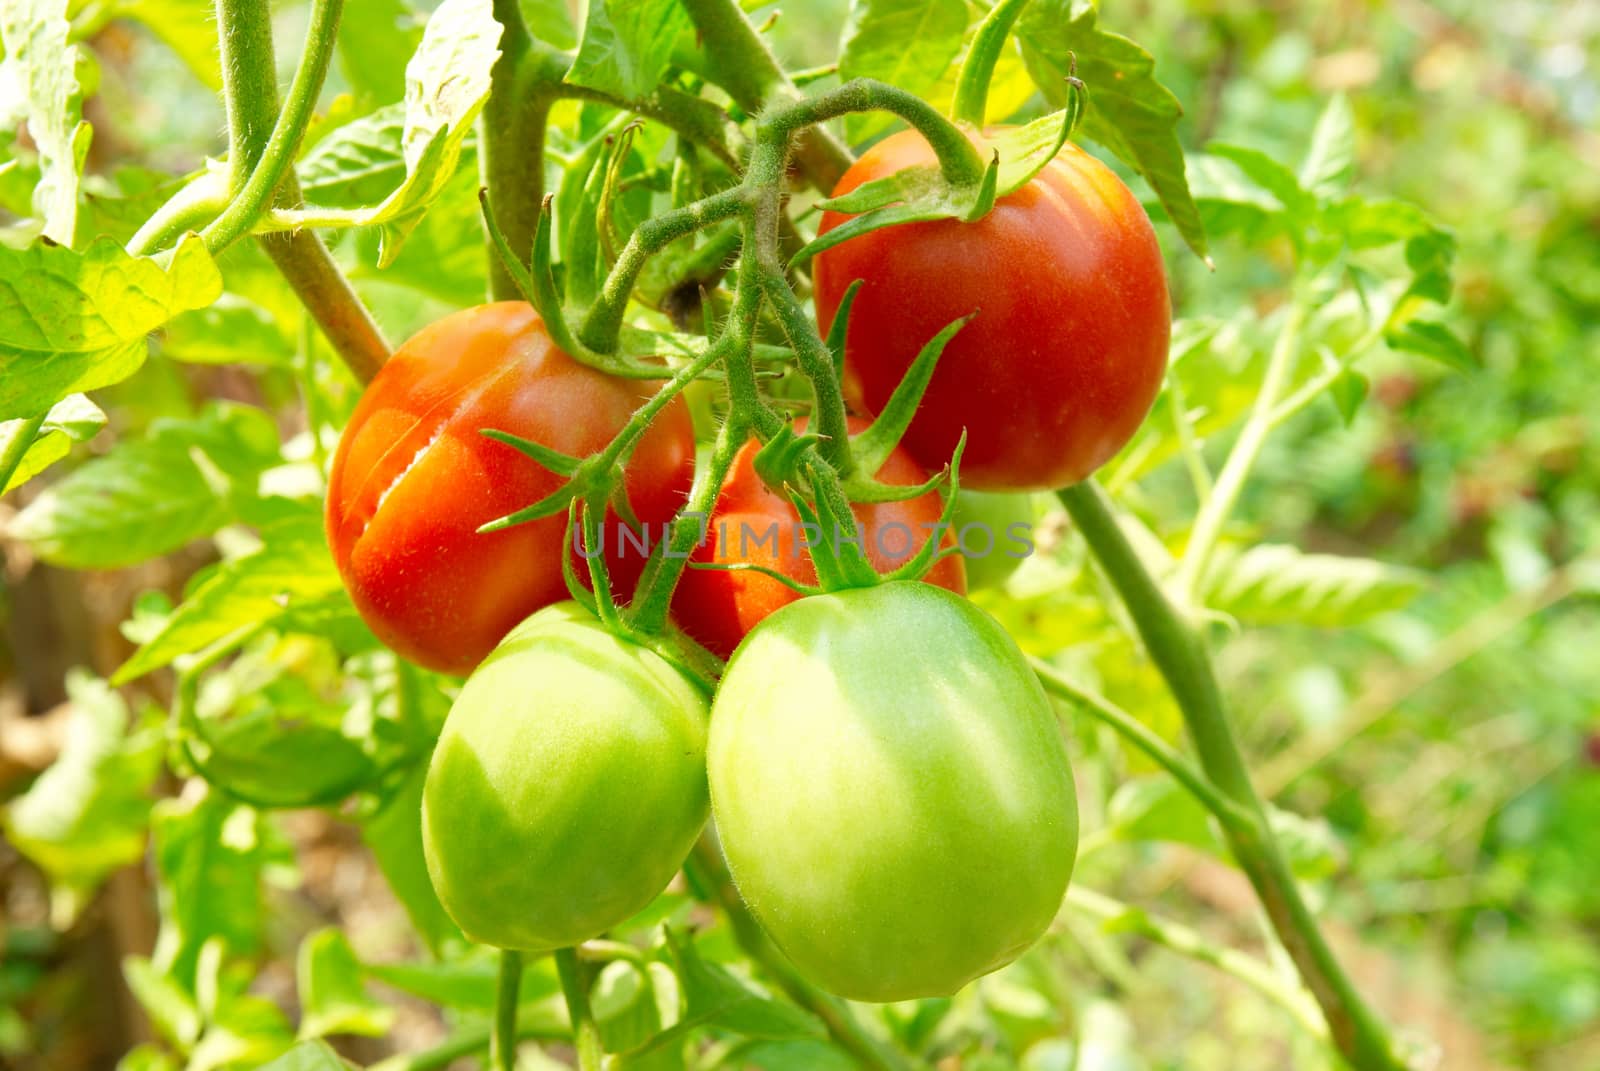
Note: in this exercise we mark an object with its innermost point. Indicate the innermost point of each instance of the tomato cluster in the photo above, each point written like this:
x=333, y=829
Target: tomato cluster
x=887, y=779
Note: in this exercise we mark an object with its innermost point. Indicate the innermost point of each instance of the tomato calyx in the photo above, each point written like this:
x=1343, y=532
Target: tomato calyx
x=923, y=193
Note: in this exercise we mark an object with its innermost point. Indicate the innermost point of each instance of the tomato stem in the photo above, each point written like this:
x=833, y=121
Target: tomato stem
x=575, y=988
x=977, y=70
x=1180, y=654
x=503, y=1042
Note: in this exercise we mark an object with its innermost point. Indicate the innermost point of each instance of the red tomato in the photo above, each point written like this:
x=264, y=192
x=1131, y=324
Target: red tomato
x=753, y=523
x=413, y=480
x=1069, y=344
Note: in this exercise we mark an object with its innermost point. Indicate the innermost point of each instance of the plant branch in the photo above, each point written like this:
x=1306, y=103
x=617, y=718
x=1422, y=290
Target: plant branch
x=743, y=65
x=1187, y=942
x=1181, y=655
x=845, y=1029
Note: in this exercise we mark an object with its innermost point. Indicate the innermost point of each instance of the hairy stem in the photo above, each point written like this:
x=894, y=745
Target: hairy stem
x=977, y=70
x=575, y=987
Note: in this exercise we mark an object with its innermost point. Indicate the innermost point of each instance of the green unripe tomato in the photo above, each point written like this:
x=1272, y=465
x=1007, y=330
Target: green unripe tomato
x=891, y=790
x=567, y=787
x=994, y=532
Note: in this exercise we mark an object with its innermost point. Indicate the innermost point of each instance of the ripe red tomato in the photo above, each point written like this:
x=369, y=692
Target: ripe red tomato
x=413, y=479
x=1073, y=321
x=753, y=523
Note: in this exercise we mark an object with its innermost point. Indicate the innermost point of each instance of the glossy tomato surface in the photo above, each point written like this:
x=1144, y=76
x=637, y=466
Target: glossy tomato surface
x=753, y=523
x=891, y=790
x=567, y=786
x=1069, y=344
x=413, y=479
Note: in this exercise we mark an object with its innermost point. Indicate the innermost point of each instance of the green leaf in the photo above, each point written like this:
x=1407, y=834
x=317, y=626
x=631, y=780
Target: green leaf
x=714, y=996
x=170, y=1006
x=308, y=1056
x=1434, y=340
x=290, y=570
x=232, y=330
x=152, y=495
x=627, y=45
x=1130, y=113
x=394, y=836
x=74, y=321
x=1272, y=584
x=86, y=815
x=467, y=983
x=795, y=1056
x=907, y=43
x=1267, y=173
x=332, y=990
x=371, y=34
x=1157, y=808
x=74, y=419
x=359, y=164
x=1331, y=159
x=210, y=854
x=41, y=65
x=447, y=82
x=188, y=27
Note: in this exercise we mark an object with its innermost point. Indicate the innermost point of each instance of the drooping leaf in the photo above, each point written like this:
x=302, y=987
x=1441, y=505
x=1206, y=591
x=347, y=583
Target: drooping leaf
x=73, y=321
x=627, y=44
x=152, y=495
x=87, y=814
x=1272, y=584
x=74, y=419
x=1129, y=113
x=907, y=43
x=41, y=63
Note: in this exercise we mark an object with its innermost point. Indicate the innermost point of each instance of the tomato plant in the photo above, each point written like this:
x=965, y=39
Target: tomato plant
x=753, y=524
x=414, y=479
x=567, y=786
x=1071, y=319
x=274, y=790
x=891, y=790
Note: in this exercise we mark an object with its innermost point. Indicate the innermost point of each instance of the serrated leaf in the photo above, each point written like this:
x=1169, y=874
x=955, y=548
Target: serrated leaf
x=447, y=82
x=1331, y=158
x=1273, y=584
x=152, y=495
x=332, y=990
x=42, y=64
x=627, y=45
x=86, y=815
x=291, y=568
x=906, y=43
x=1129, y=112
x=74, y=419
x=73, y=321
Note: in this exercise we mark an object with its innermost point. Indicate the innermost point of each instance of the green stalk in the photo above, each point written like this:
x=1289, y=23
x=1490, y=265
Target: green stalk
x=585, y=1035
x=977, y=70
x=845, y=1029
x=503, y=1043
x=743, y=65
x=250, y=94
x=274, y=159
x=1181, y=655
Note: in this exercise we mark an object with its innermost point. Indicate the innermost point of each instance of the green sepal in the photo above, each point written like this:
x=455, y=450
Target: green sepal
x=554, y=460
x=929, y=554
x=779, y=458
x=872, y=447
x=841, y=325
